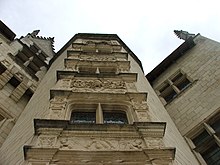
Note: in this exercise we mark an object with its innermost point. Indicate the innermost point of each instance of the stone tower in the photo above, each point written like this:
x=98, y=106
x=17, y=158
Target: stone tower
x=95, y=106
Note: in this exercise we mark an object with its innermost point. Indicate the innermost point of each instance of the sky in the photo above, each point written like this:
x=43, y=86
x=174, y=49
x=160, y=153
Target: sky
x=146, y=27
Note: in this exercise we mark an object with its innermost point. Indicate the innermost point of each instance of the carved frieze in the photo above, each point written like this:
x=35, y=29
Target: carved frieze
x=98, y=83
x=46, y=141
x=95, y=58
x=102, y=144
x=154, y=142
x=139, y=105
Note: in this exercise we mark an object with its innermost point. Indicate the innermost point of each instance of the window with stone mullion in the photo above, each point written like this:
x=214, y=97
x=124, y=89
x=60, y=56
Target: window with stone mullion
x=98, y=116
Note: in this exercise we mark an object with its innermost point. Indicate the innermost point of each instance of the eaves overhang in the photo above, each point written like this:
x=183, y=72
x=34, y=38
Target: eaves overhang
x=6, y=31
x=169, y=60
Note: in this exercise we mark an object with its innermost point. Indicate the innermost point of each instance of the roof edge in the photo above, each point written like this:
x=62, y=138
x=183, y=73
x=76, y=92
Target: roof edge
x=6, y=31
x=169, y=60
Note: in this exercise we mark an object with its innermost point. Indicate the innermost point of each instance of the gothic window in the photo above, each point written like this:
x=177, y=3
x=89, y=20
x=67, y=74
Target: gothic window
x=173, y=86
x=206, y=143
x=99, y=114
x=2, y=69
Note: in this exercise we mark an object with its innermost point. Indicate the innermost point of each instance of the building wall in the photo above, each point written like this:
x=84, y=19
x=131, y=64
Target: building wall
x=12, y=102
x=11, y=151
x=157, y=112
x=200, y=100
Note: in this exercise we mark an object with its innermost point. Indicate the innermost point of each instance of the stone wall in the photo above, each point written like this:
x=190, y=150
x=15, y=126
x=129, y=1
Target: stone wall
x=201, y=99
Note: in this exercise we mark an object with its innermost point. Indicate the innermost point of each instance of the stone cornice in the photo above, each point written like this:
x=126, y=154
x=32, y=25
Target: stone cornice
x=147, y=129
x=127, y=96
x=65, y=74
x=160, y=156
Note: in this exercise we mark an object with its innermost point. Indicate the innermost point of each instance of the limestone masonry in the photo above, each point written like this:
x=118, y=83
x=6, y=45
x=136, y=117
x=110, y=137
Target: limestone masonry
x=91, y=103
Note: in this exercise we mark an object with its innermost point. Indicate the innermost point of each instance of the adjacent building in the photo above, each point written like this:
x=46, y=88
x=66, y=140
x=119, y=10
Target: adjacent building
x=91, y=103
x=23, y=64
x=188, y=84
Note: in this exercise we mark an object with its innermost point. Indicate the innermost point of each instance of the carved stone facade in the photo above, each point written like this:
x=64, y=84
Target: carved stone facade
x=20, y=67
x=101, y=92
x=91, y=105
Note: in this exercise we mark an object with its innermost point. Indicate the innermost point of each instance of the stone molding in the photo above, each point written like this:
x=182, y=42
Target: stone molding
x=75, y=64
x=114, y=56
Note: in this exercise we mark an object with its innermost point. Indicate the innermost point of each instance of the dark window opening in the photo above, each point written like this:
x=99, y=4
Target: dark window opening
x=2, y=68
x=115, y=118
x=212, y=155
x=183, y=84
x=28, y=94
x=169, y=94
x=177, y=77
x=201, y=138
x=83, y=117
x=174, y=86
x=164, y=87
x=216, y=126
x=206, y=143
x=14, y=82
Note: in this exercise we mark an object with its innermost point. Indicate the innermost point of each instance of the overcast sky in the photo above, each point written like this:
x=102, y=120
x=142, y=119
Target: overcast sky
x=145, y=26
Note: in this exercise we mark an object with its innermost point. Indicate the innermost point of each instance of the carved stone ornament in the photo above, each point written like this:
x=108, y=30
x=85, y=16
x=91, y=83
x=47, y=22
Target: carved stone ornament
x=139, y=105
x=131, y=87
x=102, y=144
x=46, y=141
x=96, y=58
x=57, y=107
x=154, y=142
x=64, y=83
x=98, y=83
x=143, y=116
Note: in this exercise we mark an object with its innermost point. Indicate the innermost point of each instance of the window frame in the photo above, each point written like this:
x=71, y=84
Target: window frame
x=170, y=85
x=100, y=109
x=212, y=140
